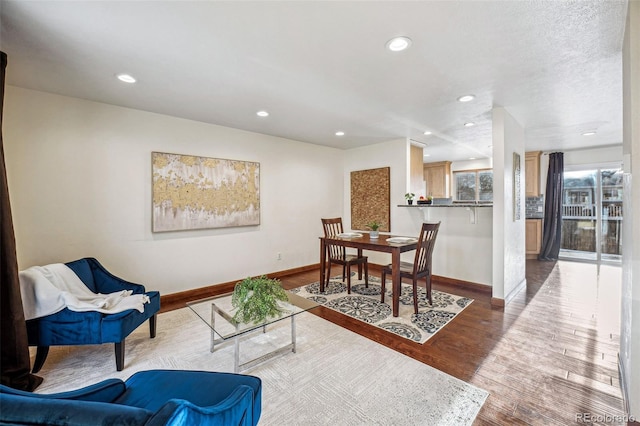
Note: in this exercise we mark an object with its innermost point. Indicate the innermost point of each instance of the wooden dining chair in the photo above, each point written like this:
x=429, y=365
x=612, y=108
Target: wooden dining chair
x=421, y=266
x=339, y=256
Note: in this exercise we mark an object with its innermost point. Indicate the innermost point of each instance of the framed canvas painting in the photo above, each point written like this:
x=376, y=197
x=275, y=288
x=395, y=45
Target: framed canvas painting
x=191, y=192
x=370, y=198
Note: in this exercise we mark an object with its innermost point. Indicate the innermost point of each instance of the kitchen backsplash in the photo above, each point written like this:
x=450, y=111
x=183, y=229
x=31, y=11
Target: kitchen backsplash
x=535, y=207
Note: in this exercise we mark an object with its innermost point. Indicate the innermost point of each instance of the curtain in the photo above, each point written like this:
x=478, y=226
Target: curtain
x=16, y=365
x=551, y=234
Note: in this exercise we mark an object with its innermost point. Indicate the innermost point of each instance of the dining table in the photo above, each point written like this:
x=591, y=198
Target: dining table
x=363, y=241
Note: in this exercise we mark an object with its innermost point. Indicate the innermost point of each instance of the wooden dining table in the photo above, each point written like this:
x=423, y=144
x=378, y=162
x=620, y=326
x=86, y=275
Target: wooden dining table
x=364, y=242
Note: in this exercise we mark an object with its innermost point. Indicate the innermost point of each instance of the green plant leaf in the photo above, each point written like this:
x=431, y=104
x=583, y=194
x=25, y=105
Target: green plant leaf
x=256, y=299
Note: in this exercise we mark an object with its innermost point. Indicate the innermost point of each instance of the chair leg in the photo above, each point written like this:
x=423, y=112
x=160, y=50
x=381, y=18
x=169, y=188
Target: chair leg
x=327, y=275
x=366, y=275
x=344, y=269
x=429, y=289
x=348, y=279
x=415, y=295
x=152, y=326
x=382, y=285
x=119, y=348
x=327, y=272
x=41, y=356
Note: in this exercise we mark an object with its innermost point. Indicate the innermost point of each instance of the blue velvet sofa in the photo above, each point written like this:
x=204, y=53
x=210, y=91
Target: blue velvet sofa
x=92, y=328
x=154, y=397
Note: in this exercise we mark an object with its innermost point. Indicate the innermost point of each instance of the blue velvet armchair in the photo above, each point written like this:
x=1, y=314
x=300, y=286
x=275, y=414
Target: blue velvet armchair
x=91, y=328
x=154, y=397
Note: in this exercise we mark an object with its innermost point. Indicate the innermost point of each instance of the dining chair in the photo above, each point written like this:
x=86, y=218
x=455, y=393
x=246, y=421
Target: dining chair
x=421, y=266
x=339, y=256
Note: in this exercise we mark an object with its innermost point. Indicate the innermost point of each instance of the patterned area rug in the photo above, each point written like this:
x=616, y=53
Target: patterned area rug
x=364, y=304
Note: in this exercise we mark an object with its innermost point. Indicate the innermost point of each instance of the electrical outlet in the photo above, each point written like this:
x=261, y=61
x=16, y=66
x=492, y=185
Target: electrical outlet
x=279, y=256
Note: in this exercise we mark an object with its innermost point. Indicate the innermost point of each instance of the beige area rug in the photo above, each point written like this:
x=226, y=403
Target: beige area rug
x=336, y=377
x=364, y=304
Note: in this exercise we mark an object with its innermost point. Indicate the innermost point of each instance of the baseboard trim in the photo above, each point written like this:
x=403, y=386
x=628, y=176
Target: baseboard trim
x=623, y=384
x=501, y=303
x=625, y=394
x=516, y=290
x=177, y=300
x=497, y=303
x=461, y=283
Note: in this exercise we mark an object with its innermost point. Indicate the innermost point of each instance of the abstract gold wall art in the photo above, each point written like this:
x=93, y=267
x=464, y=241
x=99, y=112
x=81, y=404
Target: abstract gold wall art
x=192, y=192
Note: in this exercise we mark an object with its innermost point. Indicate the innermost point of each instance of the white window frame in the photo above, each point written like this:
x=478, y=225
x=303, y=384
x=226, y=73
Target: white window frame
x=454, y=183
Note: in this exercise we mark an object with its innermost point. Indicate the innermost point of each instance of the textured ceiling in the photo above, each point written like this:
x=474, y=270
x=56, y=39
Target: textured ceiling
x=320, y=67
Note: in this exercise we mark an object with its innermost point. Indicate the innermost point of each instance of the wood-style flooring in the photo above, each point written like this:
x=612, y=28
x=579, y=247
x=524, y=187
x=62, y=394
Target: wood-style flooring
x=548, y=358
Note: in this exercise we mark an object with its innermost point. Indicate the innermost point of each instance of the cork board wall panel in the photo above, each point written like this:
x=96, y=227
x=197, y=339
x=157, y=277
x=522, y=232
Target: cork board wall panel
x=370, y=198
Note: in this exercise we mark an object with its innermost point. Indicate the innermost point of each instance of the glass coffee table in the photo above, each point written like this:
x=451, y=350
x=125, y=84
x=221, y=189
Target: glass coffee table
x=217, y=312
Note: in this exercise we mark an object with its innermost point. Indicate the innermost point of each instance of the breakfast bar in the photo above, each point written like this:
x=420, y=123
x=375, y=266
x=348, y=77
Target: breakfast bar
x=464, y=249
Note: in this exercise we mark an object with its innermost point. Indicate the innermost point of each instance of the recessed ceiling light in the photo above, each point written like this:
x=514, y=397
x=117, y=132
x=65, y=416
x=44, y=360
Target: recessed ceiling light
x=262, y=114
x=340, y=133
x=126, y=78
x=466, y=98
x=588, y=133
x=427, y=155
x=426, y=132
x=472, y=158
x=398, y=44
x=469, y=124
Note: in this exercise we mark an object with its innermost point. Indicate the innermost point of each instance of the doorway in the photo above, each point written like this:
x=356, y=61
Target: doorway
x=592, y=215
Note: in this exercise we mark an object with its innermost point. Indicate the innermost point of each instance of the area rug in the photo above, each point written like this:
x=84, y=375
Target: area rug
x=364, y=304
x=336, y=377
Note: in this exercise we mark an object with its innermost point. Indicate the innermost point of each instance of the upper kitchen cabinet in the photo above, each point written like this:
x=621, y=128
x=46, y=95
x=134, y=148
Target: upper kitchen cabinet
x=532, y=173
x=416, y=172
x=437, y=176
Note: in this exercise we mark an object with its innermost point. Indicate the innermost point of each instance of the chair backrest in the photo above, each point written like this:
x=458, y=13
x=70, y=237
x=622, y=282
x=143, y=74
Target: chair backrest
x=424, y=250
x=82, y=268
x=331, y=227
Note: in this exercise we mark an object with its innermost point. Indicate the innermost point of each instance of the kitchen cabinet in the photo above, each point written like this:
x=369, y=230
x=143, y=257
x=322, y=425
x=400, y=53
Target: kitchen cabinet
x=533, y=237
x=416, y=172
x=532, y=173
x=437, y=176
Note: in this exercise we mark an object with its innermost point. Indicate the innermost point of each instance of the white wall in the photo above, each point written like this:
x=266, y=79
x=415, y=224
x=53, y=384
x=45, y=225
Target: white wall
x=463, y=250
x=79, y=177
x=480, y=163
x=593, y=157
x=508, y=234
x=394, y=154
x=464, y=247
x=630, y=309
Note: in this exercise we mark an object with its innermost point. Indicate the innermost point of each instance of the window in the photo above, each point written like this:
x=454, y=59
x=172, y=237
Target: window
x=473, y=185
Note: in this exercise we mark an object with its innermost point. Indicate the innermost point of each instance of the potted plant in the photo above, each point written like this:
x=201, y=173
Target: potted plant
x=409, y=196
x=256, y=299
x=374, y=226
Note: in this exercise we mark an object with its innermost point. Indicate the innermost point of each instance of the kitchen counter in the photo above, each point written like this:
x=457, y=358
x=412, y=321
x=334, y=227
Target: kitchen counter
x=535, y=216
x=464, y=248
x=448, y=205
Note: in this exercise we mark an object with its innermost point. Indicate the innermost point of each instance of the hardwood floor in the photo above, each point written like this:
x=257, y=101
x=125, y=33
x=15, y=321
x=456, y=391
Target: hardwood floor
x=548, y=358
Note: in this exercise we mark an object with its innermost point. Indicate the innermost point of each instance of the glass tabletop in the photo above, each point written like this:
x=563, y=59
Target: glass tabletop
x=217, y=312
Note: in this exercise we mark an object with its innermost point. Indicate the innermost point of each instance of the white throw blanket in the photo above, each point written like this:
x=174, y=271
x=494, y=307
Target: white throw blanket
x=49, y=289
